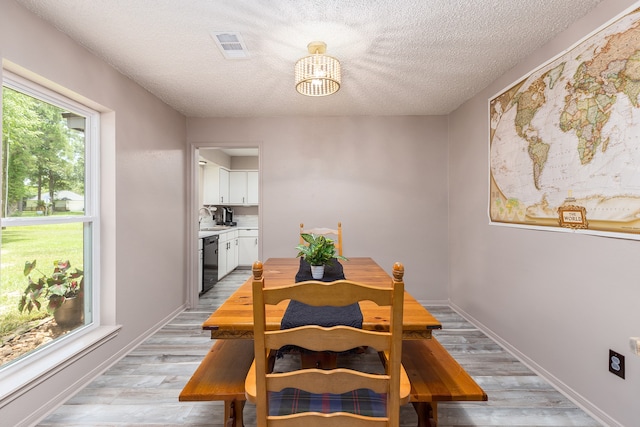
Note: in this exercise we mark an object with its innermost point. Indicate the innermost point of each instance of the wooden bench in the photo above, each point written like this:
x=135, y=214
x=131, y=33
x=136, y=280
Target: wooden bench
x=221, y=376
x=435, y=376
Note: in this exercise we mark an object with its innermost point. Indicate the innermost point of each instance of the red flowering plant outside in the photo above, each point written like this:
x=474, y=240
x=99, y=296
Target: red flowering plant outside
x=63, y=284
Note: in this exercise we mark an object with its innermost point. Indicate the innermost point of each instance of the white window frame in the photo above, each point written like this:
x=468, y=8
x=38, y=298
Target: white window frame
x=17, y=378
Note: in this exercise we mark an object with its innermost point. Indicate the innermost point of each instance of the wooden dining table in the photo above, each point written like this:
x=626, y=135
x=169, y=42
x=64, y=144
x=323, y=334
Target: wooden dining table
x=234, y=318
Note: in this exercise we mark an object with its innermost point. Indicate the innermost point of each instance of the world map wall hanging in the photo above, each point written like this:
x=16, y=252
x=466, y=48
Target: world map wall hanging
x=565, y=139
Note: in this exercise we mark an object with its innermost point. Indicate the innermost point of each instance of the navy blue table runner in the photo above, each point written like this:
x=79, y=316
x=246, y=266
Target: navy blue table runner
x=299, y=314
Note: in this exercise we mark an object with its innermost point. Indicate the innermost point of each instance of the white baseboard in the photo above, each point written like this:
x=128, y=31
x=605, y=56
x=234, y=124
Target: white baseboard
x=443, y=302
x=567, y=391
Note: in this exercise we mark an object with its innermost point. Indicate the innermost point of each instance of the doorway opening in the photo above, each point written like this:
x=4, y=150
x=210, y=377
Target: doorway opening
x=225, y=202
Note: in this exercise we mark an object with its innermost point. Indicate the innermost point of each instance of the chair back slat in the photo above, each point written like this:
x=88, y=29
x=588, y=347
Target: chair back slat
x=338, y=293
x=335, y=381
x=335, y=338
x=327, y=420
x=334, y=234
x=379, y=390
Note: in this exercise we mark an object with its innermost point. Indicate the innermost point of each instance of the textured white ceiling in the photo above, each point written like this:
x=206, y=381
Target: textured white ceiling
x=399, y=57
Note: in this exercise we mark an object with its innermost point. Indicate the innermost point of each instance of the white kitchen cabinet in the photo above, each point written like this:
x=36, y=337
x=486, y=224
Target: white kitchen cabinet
x=232, y=261
x=223, y=244
x=238, y=187
x=247, y=247
x=200, y=266
x=227, y=252
x=210, y=185
x=243, y=187
x=223, y=249
x=223, y=185
x=215, y=185
x=252, y=187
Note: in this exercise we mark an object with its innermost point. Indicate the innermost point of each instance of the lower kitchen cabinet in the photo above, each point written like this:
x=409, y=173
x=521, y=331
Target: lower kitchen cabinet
x=227, y=252
x=248, y=247
x=237, y=247
x=200, y=266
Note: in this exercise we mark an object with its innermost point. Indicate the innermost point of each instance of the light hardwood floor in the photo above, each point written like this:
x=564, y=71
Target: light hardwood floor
x=143, y=387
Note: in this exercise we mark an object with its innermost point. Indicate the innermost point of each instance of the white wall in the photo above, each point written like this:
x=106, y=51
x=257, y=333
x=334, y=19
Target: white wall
x=143, y=185
x=384, y=178
x=560, y=300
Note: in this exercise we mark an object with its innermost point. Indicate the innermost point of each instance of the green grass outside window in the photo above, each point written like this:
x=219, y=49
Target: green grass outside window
x=44, y=243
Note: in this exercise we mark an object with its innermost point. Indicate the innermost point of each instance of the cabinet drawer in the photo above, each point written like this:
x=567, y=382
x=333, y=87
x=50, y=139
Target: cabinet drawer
x=228, y=235
x=247, y=233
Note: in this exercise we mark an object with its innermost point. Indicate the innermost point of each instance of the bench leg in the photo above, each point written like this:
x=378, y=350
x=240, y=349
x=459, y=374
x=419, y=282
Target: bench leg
x=228, y=413
x=427, y=411
x=233, y=413
x=434, y=413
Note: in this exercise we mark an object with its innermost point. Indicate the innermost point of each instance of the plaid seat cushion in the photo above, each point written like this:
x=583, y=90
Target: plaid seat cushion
x=362, y=402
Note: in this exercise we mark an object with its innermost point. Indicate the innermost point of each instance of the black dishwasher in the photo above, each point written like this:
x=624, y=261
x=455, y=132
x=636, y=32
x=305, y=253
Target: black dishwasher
x=209, y=263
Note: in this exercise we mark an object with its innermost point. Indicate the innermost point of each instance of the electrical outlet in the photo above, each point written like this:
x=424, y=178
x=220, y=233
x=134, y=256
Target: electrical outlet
x=616, y=363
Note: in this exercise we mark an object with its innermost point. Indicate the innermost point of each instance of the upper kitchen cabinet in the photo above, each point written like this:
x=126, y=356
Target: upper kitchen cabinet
x=238, y=187
x=215, y=185
x=210, y=184
x=224, y=186
x=243, y=187
x=229, y=176
x=252, y=187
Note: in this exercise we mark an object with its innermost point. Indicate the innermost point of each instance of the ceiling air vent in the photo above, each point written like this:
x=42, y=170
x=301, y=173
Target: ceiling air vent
x=230, y=44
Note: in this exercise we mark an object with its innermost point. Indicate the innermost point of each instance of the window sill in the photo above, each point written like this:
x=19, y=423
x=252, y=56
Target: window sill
x=23, y=375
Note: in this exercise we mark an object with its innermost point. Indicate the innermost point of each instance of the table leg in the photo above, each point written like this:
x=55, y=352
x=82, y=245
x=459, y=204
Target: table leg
x=238, y=408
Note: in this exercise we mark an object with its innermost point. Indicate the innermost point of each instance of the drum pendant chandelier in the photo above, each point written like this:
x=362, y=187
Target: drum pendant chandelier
x=317, y=74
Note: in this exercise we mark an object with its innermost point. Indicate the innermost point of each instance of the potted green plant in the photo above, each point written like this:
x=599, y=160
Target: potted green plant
x=318, y=252
x=62, y=291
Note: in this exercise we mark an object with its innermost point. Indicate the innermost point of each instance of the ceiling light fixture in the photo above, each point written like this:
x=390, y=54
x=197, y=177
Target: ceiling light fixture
x=317, y=74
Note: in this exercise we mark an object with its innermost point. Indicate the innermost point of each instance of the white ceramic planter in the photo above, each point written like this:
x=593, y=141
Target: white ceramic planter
x=317, y=271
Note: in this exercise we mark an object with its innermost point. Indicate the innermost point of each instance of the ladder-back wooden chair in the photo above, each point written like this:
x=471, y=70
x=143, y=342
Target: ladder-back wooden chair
x=327, y=397
x=333, y=233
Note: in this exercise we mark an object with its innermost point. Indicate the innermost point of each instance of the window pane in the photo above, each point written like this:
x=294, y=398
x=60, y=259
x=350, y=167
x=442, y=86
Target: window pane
x=25, y=307
x=43, y=151
x=46, y=237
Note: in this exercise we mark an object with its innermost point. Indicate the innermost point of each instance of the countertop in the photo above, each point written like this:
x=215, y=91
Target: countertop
x=207, y=233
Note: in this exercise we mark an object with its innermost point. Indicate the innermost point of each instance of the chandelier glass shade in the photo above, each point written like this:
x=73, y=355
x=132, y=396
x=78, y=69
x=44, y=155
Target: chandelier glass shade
x=317, y=74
